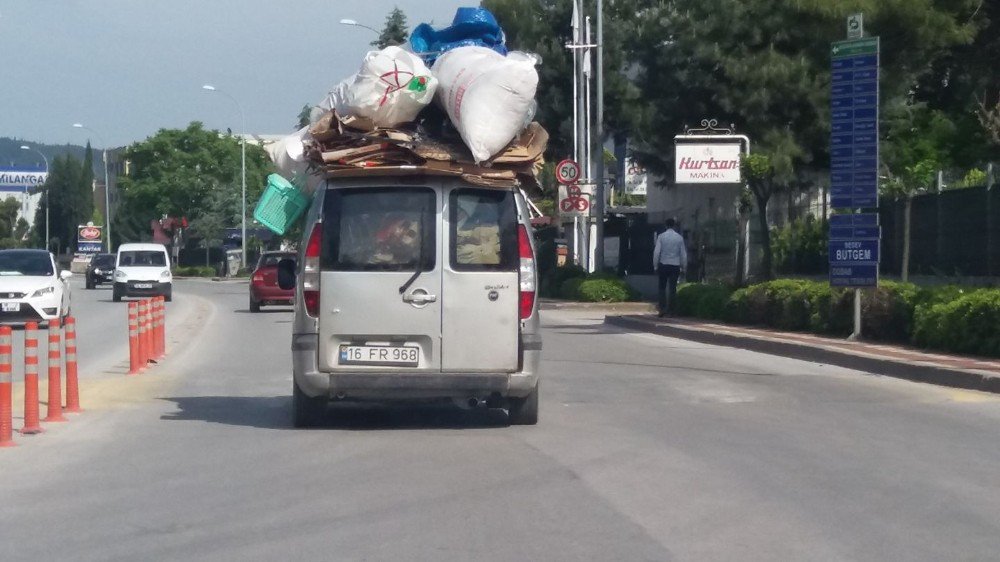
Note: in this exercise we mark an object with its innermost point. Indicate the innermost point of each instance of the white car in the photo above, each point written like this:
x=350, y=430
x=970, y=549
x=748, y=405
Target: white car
x=142, y=270
x=32, y=289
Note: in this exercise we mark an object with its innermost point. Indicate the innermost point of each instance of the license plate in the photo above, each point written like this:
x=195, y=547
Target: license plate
x=143, y=285
x=10, y=306
x=403, y=356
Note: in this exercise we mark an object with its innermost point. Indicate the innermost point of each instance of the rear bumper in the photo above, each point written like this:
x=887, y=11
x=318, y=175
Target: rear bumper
x=272, y=295
x=390, y=385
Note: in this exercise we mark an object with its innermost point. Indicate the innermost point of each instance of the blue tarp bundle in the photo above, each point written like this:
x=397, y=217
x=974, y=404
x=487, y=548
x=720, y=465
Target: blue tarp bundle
x=471, y=27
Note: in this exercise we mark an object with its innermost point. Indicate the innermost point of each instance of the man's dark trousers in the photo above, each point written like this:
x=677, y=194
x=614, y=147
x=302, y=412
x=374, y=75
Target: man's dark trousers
x=668, y=281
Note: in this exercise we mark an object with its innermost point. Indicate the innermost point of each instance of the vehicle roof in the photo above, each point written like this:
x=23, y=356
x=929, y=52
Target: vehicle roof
x=132, y=246
x=409, y=180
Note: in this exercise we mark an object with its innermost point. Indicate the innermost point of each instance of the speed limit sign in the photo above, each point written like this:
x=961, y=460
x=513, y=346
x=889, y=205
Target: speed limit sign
x=567, y=172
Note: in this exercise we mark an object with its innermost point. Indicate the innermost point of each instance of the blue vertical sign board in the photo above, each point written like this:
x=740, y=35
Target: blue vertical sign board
x=854, y=124
x=854, y=250
x=854, y=242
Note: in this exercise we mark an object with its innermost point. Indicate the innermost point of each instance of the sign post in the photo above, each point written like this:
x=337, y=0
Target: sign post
x=854, y=110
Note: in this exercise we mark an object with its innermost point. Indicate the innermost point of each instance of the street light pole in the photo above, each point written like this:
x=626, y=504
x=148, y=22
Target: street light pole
x=107, y=187
x=26, y=147
x=599, y=211
x=354, y=23
x=243, y=169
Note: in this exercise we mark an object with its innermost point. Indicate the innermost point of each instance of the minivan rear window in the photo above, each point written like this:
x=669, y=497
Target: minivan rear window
x=483, y=230
x=142, y=258
x=379, y=229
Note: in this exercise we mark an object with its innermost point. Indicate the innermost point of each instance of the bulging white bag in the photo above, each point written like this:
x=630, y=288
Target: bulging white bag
x=489, y=98
x=391, y=88
x=288, y=155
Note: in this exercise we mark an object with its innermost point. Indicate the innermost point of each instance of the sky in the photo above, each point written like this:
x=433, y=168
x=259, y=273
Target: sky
x=127, y=68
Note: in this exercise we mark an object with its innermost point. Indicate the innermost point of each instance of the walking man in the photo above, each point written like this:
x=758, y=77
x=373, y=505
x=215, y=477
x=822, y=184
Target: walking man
x=669, y=259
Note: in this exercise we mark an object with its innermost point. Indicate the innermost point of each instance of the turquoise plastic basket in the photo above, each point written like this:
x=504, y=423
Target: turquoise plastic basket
x=281, y=205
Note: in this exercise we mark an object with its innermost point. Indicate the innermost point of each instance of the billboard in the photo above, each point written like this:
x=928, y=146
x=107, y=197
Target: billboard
x=713, y=163
x=88, y=239
x=635, y=178
x=20, y=180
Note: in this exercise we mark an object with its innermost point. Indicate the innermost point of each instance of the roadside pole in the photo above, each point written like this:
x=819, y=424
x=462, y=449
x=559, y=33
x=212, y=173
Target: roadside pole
x=599, y=136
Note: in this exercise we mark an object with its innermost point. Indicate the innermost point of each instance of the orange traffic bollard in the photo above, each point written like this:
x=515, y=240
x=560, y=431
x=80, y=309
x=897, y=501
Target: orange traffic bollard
x=161, y=319
x=134, y=354
x=55, y=375
x=31, y=424
x=72, y=382
x=156, y=327
x=163, y=325
x=141, y=319
x=6, y=388
x=148, y=322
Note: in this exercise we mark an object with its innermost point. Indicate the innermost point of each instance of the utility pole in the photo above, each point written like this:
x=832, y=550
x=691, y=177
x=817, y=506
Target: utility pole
x=599, y=207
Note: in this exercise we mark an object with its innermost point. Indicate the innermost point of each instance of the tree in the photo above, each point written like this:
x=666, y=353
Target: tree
x=187, y=173
x=394, y=32
x=304, y=116
x=766, y=175
x=62, y=197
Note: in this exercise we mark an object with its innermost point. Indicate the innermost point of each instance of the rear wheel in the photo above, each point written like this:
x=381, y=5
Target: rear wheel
x=254, y=305
x=523, y=411
x=306, y=411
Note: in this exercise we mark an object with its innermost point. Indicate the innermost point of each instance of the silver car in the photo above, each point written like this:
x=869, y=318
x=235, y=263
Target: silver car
x=415, y=288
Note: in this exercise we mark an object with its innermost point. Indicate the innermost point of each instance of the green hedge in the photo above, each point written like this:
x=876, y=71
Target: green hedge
x=703, y=300
x=575, y=284
x=604, y=290
x=947, y=317
x=194, y=271
x=969, y=323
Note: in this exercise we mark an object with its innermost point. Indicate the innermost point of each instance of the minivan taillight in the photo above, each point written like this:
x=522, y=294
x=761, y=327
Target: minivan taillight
x=527, y=272
x=310, y=271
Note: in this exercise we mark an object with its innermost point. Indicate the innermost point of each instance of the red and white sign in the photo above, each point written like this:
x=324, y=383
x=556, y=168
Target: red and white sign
x=574, y=200
x=89, y=234
x=707, y=163
x=567, y=172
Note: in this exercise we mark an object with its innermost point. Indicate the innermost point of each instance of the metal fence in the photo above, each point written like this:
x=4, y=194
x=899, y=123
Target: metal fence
x=952, y=233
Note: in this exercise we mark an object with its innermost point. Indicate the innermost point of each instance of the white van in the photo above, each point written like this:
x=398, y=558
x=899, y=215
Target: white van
x=142, y=270
x=415, y=288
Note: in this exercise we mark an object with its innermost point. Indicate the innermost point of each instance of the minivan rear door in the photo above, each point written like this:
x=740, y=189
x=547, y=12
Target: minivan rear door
x=380, y=280
x=480, y=322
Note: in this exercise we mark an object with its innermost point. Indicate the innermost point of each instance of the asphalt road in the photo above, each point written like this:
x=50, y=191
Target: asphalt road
x=648, y=448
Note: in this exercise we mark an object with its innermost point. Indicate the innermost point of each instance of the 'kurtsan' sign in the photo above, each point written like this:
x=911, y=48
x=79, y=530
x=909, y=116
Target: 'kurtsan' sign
x=20, y=179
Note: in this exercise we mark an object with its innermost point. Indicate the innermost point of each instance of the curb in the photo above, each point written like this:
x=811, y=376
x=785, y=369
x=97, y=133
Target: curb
x=926, y=373
x=621, y=307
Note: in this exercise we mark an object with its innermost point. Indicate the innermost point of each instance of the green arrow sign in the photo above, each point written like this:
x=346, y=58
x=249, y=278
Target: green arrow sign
x=851, y=47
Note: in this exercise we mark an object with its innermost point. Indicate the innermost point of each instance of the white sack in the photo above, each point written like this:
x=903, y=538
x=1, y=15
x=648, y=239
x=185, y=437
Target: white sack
x=489, y=98
x=391, y=88
x=288, y=155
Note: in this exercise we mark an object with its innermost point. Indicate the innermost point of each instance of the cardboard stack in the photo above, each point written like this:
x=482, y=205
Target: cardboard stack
x=349, y=147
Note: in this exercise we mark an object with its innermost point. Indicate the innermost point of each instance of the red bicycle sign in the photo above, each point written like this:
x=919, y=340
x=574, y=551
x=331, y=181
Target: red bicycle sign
x=567, y=172
x=575, y=200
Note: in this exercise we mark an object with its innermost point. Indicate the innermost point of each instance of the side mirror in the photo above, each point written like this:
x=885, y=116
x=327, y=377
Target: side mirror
x=65, y=274
x=286, y=274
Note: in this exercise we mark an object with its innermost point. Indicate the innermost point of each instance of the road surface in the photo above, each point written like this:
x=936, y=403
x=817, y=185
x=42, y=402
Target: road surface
x=648, y=448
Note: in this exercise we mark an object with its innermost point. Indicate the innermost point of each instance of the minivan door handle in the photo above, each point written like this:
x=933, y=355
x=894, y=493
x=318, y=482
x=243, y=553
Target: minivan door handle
x=419, y=298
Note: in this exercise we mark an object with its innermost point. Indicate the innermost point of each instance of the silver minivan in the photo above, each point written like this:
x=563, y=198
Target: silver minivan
x=415, y=288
